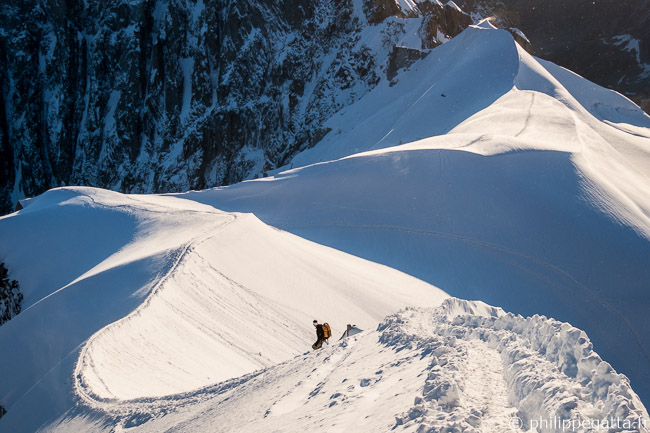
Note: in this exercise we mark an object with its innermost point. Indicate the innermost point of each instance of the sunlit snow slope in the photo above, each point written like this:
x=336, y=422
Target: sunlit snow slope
x=536, y=198
x=463, y=367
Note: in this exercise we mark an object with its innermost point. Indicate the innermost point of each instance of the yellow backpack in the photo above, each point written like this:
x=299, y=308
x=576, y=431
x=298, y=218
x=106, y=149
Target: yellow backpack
x=327, y=331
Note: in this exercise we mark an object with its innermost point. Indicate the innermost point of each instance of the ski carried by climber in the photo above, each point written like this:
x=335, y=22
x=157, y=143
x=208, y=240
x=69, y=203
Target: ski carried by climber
x=323, y=332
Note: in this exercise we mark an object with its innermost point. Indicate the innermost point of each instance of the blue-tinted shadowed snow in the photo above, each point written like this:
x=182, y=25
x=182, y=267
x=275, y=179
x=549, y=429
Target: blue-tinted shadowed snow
x=36, y=240
x=45, y=341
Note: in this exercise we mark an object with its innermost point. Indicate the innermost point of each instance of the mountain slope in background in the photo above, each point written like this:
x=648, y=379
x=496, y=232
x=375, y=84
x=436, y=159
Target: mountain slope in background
x=159, y=96
x=607, y=42
x=156, y=96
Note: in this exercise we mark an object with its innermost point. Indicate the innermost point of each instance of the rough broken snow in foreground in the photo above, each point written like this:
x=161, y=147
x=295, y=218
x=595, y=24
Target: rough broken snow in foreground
x=463, y=367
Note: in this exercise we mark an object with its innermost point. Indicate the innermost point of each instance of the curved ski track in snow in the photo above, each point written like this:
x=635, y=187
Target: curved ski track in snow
x=86, y=365
x=236, y=299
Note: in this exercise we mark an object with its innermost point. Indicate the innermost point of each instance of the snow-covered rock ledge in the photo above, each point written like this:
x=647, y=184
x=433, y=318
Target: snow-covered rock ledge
x=496, y=371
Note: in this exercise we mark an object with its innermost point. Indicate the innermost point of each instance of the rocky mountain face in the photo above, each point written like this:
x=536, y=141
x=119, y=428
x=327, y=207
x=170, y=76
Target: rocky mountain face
x=171, y=95
x=607, y=42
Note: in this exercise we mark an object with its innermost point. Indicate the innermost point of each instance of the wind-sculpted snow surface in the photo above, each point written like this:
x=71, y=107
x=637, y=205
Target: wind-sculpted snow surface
x=85, y=258
x=461, y=367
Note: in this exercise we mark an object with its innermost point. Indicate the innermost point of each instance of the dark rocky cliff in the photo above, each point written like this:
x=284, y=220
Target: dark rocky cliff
x=156, y=96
